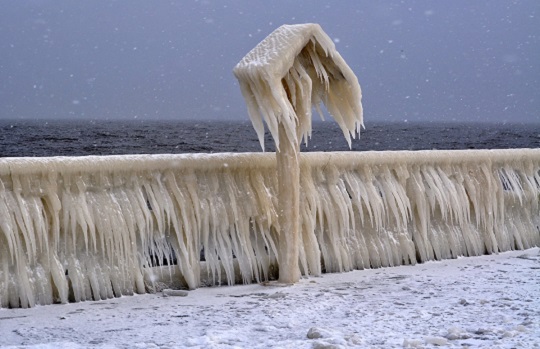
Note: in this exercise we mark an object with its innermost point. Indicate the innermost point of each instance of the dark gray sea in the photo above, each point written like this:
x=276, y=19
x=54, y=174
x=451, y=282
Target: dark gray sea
x=76, y=138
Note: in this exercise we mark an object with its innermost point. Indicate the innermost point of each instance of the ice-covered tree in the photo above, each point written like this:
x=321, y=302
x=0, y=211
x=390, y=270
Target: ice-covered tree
x=282, y=79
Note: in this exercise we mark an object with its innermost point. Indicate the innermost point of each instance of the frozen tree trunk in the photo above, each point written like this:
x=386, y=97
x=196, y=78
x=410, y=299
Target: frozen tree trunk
x=291, y=71
x=288, y=172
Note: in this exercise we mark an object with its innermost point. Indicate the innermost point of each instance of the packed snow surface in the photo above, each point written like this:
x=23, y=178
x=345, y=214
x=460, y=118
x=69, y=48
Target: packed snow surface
x=476, y=302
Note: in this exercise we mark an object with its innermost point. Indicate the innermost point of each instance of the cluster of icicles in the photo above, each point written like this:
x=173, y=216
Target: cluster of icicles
x=295, y=69
x=74, y=229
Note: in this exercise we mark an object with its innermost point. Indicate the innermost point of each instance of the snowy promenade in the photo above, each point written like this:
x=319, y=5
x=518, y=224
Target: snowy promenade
x=476, y=302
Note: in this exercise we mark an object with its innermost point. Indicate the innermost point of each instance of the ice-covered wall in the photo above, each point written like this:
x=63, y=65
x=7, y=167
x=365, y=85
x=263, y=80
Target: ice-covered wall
x=75, y=229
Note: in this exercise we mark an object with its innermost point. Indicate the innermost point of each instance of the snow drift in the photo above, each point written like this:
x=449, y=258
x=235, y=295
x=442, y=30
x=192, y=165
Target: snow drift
x=74, y=229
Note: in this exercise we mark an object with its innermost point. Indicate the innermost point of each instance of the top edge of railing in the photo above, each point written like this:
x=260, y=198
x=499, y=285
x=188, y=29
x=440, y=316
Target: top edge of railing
x=214, y=161
x=420, y=157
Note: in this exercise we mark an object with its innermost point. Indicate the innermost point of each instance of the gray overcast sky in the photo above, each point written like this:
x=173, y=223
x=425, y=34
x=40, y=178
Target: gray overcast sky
x=457, y=60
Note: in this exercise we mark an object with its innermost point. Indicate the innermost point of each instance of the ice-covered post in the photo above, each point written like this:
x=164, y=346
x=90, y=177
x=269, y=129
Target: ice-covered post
x=292, y=70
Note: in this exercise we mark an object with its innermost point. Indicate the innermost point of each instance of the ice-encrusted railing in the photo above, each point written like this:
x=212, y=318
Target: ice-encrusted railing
x=75, y=229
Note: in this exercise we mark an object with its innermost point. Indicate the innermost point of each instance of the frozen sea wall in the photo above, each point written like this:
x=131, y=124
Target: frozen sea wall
x=81, y=228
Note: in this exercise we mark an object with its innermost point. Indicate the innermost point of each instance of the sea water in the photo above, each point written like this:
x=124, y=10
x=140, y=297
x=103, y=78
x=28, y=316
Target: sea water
x=102, y=137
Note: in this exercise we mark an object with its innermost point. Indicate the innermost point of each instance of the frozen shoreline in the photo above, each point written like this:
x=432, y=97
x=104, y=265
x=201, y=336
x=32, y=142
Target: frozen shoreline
x=489, y=301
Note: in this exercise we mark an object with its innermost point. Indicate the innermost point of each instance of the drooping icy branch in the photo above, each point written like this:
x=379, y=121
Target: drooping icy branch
x=292, y=70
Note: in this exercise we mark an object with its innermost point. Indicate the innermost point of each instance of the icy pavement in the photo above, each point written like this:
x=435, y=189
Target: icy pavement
x=476, y=302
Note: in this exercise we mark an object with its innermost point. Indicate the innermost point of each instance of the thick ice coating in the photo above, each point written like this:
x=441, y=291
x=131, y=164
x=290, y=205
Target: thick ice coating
x=292, y=70
x=74, y=229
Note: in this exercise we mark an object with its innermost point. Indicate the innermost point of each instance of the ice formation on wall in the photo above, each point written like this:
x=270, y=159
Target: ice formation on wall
x=74, y=229
x=292, y=70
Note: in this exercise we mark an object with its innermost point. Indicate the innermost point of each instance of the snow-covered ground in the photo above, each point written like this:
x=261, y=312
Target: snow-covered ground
x=477, y=302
